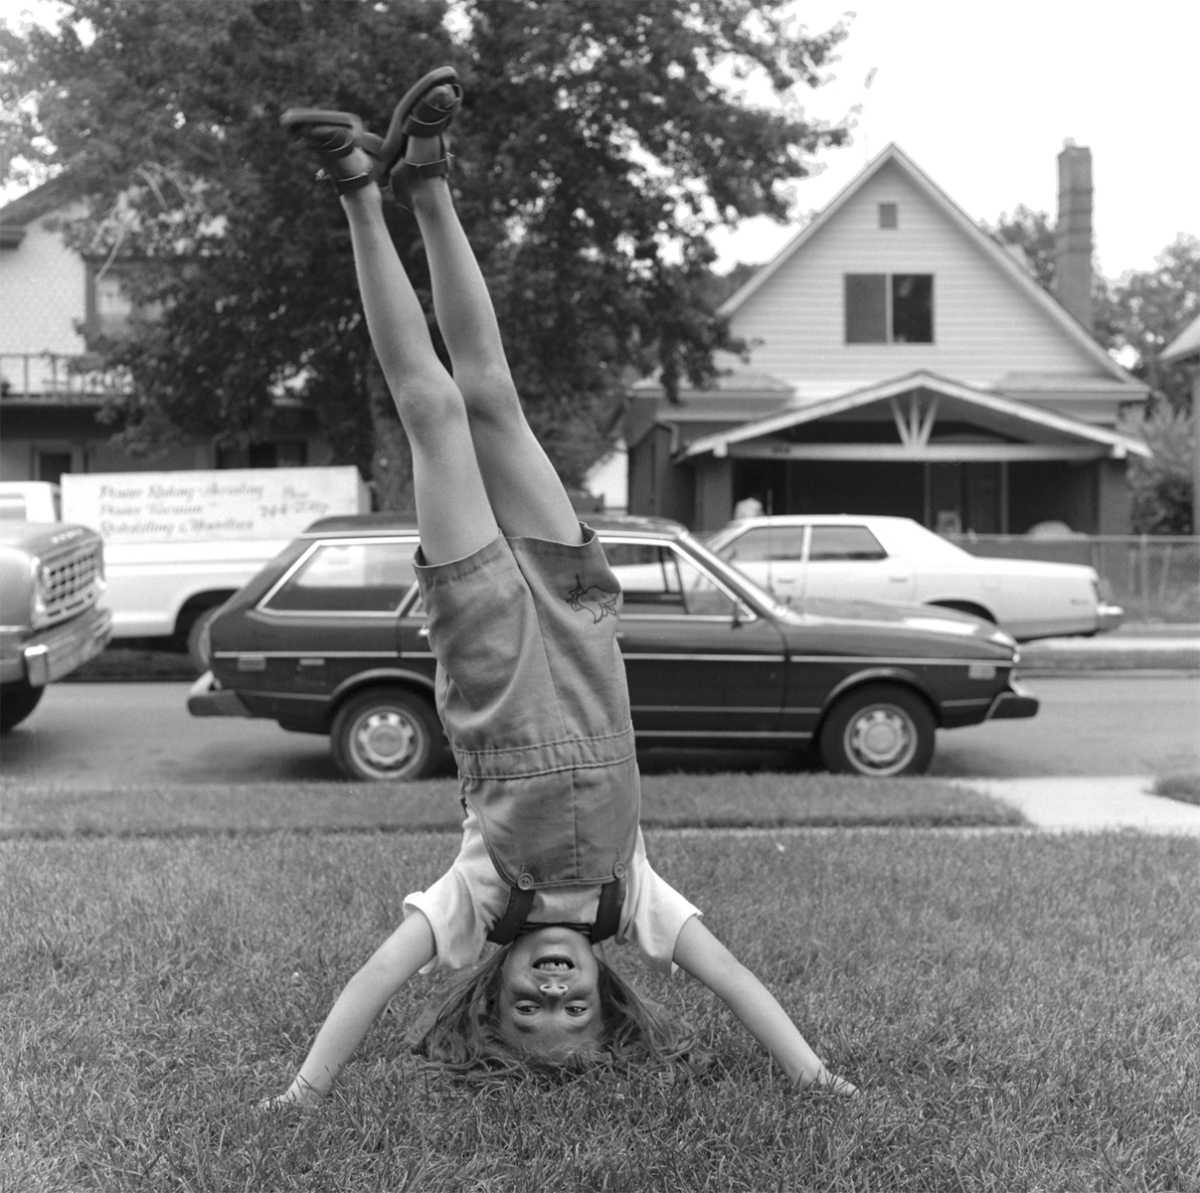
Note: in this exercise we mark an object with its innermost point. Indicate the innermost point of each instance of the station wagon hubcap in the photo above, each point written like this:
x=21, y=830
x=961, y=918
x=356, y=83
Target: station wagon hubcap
x=385, y=739
x=881, y=739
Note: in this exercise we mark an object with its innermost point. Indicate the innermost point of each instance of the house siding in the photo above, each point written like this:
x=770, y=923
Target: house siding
x=985, y=325
x=43, y=294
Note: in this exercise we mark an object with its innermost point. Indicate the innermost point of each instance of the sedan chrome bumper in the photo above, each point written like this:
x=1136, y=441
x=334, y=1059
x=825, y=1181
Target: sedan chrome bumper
x=208, y=699
x=1108, y=617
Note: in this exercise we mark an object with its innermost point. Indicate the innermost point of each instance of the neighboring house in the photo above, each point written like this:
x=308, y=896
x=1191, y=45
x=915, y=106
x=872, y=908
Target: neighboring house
x=903, y=362
x=52, y=300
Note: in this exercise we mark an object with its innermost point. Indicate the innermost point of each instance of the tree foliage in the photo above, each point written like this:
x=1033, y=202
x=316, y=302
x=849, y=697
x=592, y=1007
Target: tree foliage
x=1144, y=311
x=1136, y=316
x=596, y=151
x=1032, y=233
x=1162, y=486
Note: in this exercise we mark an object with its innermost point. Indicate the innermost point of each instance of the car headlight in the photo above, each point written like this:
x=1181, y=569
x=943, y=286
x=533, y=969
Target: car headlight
x=38, y=584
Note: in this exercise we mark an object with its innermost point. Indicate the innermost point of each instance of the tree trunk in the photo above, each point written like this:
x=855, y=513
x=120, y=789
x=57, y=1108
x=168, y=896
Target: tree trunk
x=391, y=463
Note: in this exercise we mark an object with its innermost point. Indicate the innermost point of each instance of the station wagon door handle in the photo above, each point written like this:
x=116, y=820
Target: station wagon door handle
x=423, y=632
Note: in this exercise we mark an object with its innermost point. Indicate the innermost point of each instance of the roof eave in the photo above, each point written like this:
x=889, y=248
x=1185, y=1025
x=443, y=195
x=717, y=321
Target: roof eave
x=1119, y=443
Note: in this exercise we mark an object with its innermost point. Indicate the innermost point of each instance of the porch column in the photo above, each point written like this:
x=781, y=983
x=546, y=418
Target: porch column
x=714, y=493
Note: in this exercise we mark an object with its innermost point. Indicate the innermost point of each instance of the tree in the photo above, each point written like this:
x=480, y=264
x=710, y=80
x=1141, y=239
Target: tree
x=595, y=153
x=1162, y=485
x=1145, y=311
x=1135, y=317
x=1033, y=233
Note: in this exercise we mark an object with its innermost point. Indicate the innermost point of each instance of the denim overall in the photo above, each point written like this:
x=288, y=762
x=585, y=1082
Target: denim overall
x=531, y=691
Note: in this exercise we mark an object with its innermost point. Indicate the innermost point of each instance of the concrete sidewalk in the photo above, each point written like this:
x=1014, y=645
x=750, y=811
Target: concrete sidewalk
x=1135, y=647
x=1072, y=804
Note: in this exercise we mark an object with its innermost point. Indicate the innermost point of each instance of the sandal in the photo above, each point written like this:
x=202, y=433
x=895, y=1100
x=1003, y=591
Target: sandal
x=334, y=136
x=416, y=116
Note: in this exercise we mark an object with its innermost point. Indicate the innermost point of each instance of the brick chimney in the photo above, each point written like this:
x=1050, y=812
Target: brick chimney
x=1073, y=232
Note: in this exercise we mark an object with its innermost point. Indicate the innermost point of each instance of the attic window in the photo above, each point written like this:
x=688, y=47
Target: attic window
x=886, y=308
x=889, y=215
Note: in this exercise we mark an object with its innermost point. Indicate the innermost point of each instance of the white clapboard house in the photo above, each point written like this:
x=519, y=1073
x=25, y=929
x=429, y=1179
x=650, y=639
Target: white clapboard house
x=901, y=361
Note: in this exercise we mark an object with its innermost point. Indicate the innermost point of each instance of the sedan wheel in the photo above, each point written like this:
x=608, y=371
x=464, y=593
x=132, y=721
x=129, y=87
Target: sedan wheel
x=879, y=730
x=386, y=733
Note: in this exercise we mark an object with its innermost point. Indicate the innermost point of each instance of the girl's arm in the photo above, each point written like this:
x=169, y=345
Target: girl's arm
x=700, y=953
x=366, y=994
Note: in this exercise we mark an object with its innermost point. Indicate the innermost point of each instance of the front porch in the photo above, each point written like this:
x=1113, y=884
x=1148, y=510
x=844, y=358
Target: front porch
x=955, y=458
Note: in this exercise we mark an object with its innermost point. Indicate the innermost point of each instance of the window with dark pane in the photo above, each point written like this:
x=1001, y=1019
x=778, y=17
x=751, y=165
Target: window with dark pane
x=843, y=543
x=912, y=308
x=889, y=215
x=866, y=308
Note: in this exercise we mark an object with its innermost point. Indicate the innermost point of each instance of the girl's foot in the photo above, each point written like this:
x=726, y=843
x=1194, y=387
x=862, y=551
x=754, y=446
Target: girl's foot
x=339, y=140
x=415, y=148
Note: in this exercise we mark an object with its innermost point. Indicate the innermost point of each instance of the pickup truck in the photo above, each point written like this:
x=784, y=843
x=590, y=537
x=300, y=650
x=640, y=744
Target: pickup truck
x=51, y=622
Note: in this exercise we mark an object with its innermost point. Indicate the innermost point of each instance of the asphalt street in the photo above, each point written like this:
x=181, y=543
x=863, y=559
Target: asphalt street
x=117, y=734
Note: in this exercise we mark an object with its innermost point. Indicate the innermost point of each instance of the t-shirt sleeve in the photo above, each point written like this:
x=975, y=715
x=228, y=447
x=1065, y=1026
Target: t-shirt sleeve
x=659, y=914
x=459, y=932
x=463, y=904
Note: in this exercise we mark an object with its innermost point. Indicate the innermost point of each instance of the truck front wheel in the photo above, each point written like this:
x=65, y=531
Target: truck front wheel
x=386, y=733
x=17, y=701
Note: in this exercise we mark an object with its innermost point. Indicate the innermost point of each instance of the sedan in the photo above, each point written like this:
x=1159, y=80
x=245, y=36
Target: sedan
x=843, y=557
x=330, y=638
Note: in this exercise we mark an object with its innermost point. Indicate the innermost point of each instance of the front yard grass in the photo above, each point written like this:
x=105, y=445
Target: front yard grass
x=1021, y=1010
x=764, y=799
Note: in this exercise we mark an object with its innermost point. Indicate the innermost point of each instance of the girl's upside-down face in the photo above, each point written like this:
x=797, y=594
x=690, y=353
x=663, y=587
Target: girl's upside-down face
x=549, y=1003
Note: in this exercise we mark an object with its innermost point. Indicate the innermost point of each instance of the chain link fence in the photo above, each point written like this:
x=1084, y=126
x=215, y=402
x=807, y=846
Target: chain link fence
x=1155, y=577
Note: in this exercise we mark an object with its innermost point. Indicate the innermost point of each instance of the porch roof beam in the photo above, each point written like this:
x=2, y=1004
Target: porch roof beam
x=932, y=452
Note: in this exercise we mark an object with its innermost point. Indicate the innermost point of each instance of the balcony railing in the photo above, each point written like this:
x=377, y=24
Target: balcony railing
x=57, y=379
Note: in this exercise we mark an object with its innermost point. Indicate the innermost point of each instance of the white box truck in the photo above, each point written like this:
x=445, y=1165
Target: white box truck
x=179, y=544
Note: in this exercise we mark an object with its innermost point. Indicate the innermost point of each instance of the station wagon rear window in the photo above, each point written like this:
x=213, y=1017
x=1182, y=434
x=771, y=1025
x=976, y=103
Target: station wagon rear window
x=348, y=577
x=659, y=581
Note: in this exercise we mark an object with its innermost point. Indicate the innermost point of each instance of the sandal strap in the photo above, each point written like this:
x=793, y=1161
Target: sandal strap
x=414, y=114
x=406, y=173
x=345, y=185
x=427, y=120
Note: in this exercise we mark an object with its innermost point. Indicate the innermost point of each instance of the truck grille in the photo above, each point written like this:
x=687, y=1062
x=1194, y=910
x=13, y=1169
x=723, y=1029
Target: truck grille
x=69, y=581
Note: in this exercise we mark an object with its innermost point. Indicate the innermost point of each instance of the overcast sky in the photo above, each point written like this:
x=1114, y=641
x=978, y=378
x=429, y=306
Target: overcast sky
x=982, y=95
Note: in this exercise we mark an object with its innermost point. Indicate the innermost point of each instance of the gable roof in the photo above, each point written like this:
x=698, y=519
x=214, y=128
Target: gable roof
x=1019, y=414
x=1001, y=258
x=23, y=210
x=1185, y=345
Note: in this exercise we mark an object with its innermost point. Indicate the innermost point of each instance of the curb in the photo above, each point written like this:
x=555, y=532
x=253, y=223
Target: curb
x=1073, y=656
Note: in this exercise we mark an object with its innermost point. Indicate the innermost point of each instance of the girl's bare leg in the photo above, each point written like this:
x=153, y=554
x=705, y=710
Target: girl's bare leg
x=453, y=509
x=525, y=492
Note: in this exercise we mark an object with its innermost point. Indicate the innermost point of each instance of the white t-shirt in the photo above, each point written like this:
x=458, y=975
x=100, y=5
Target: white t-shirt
x=470, y=897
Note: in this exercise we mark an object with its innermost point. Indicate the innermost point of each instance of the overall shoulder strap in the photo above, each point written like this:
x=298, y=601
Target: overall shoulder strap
x=508, y=926
x=608, y=914
x=520, y=900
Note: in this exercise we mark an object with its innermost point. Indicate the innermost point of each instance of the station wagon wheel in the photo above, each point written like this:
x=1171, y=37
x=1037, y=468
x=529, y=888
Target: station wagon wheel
x=878, y=730
x=386, y=733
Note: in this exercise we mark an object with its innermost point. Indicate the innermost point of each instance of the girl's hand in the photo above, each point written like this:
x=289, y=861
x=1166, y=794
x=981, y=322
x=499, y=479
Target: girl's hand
x=836, y=1085
x=295, y=1096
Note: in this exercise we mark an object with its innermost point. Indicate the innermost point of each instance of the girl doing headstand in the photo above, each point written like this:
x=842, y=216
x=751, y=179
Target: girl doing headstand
x=522, y=617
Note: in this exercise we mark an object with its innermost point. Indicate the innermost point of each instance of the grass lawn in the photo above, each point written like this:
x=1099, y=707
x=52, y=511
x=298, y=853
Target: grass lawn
x=766, y=799
x=1022, y=1010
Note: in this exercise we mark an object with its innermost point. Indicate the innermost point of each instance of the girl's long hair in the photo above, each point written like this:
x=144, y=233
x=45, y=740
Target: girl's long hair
x=464, y=1036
